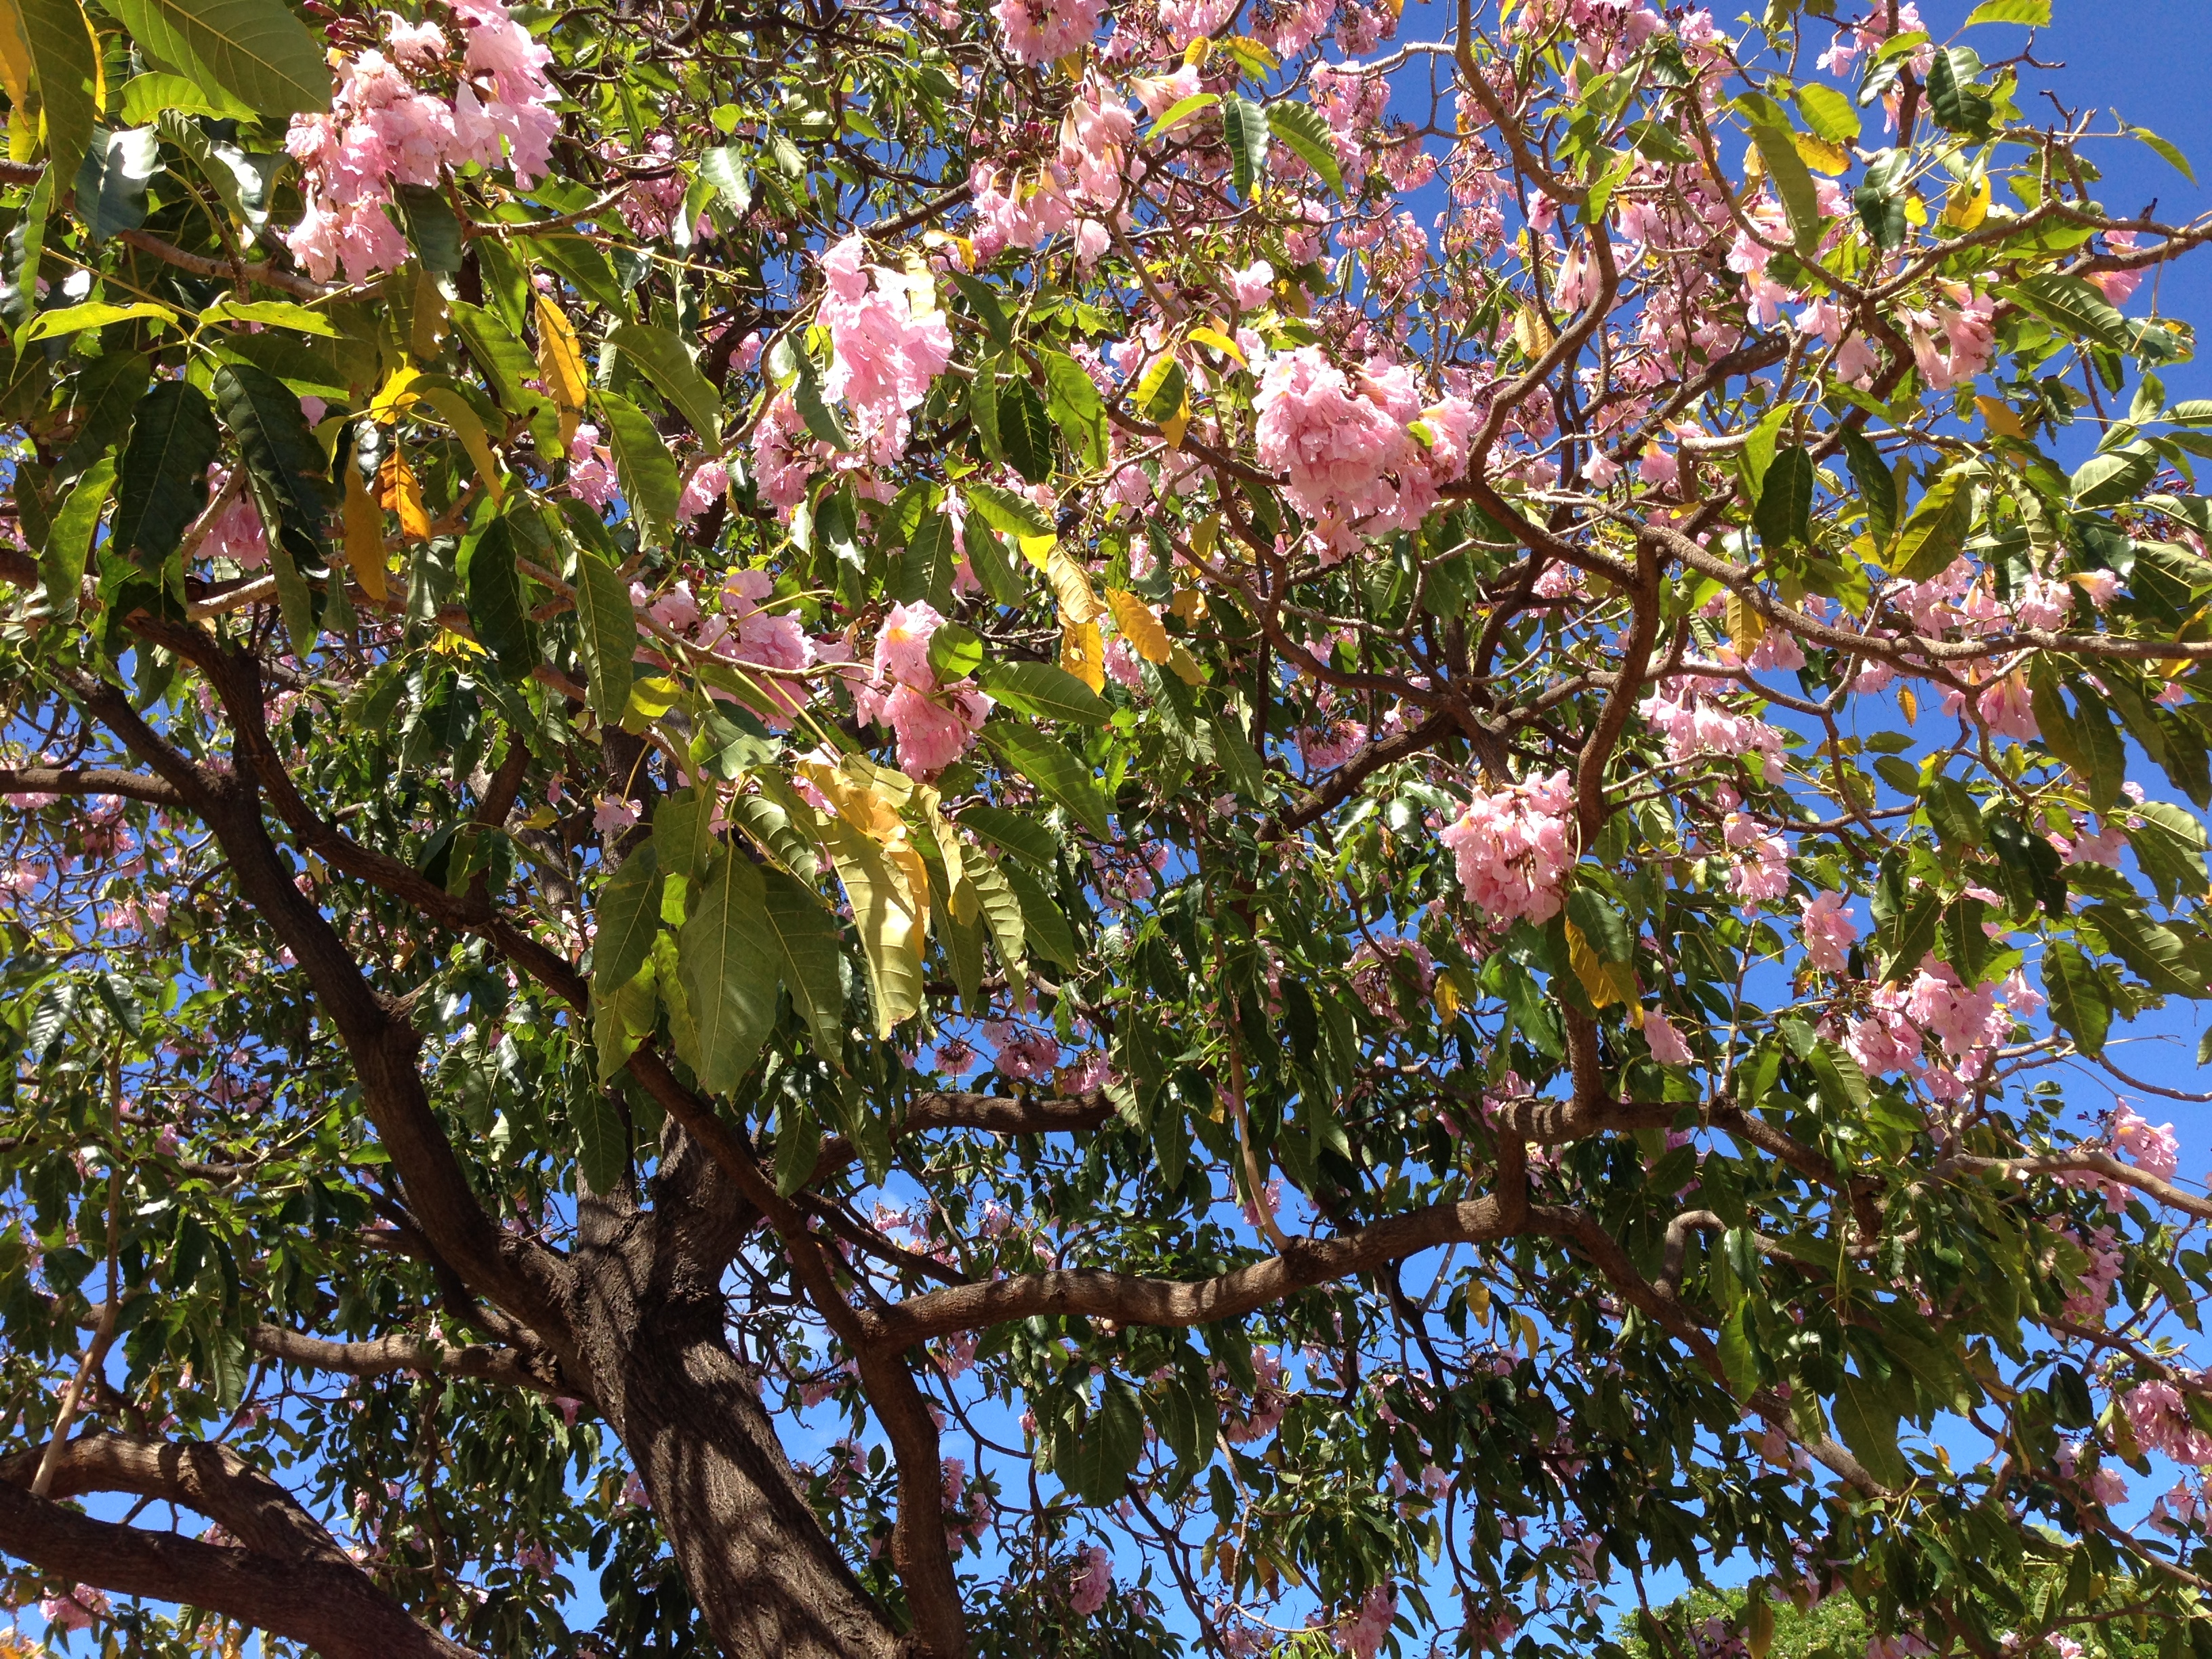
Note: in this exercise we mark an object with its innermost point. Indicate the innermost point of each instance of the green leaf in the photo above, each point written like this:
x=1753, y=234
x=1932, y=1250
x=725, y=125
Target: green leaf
x=628, y=913
x=684, y=832
x=1880, y=198
x=584, y=264
x=955, y=653
x=729, y=970
x=2155, y=953
x=822, y=423
x=69, y=537
x=649, y=479
x=173, y=437
x=1936, y=531
x=1024, y=432
x=101, y=404
x=1044, y=692
x=2035, y=14
x=62, y=57
x=1305, y=131
x=1073, y=400
x=1867, y=1424
x=1004, y=510
x=1784, y=512
x=663, y=359
x=1842, y=1083
x=1001, y=910
x=890, y=930
x=1095, y=1460
x=2118, y=476
x=115, y=175
x=1830, y=114
x=1181, y=110
x=2170, y=151
x=282, y=454
x=256, y=50
x=806, y=936
x=491, y=587
x=1244, y=127
x=798, y=1143
x=1056, y=770
x=1953, y=98
x=2104, y=750
x=271, y=313
x=93, y=314
x=2169, y=847
x=1045, y=931
x=1026, y=838
x=146, y=98
x=2074, y=307
x=2078, y=1002
x=724, y=168
x=607, y=631
x=1792, y=180
x=602, y=1137
x=930, y=563
x=1877, y=485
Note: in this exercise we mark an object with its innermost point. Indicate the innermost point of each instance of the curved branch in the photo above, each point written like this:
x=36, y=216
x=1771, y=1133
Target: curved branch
x=381, y=1356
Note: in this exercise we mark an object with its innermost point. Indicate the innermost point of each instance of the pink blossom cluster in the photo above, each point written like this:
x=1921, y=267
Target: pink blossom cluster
x=1079, y=187
x=1022, y=1053
x=1666, y=1043
x=75, y=1609
x=1042, y=31
x=886, y=351
x=1094, y=1575
x=2088, y=1304
x=934, y=724
x=2152, y=1148
x=1362, y=1635
x=1512, y=847
x=741, y=631
x=2159, y=1418
x=381, y=131
x=1348, y=445
x=1694, y=723
x=1968, y=1020
x=1827, y=931
x=2106, y=1485
x=1760, y=866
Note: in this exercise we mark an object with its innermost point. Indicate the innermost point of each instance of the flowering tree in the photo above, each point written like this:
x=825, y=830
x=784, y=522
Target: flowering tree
x=1090, y=829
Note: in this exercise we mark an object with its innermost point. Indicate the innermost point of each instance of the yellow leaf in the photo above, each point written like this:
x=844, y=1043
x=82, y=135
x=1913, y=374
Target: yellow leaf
x=1531, y=333
x=1997, y=415
x=393, y=398
x=1965, y=208
x=1188, y=603
x=653, y=695
x=1038, y=549
x=889, y=891
x=453, y=409
x=868, y=797
x=1208, y=335
x=561, y=364
x=1915, y=209
x=1138, y=624
x=450, y=644
x=402, y=493
x=1908, y=703
x=1196, y=51
x=1204, y=534
x=1821, y=155
x=1083, y=651
x=1746, y=627
x=14, y=59
x=1185, y=667
x=1071, y=586
x=1176, y=424
x=1602, y=981
x=364, y=534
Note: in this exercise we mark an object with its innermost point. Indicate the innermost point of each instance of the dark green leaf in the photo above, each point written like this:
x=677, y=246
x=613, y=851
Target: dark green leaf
x=729, y=966
x=68, y=77
x=1073, y=400
x=256, y=50
x=1305, y=132
x=649, y=479
x=1784, y=512
x=160, y=483
x=1877, y=485
x=1044, y=929
x=663, y=359
x=607, y=631
x=1024, y=431
x=602, y=1137
x=281, y=453
x=2078, y=1002
x=1867, y=1424
x=492, y=589
x=1044, y=692
x=629, y=915
x=1244, y=127
x=1056, y=771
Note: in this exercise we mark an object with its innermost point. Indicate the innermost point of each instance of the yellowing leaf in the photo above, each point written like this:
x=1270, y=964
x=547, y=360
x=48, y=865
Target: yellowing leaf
x=889, y=892
x=1965, y=209
x=1140, y=625
x=1083, y=651
x=1997, y=415
x=1746, y=627
x=1531, y=333
x=1207, y=335
x=1908, y=704
x=1185, y=667
x=1915, y=209
x=454, y=410
x=1071, y=586
x=14, y=58
x=393, y=398
x=1603, y=982
x=561, y=364
x=364, y=534
x=869, y=798
x=402, y=493
x=1821, y=155
x=1176, y=425
x=1038, y=549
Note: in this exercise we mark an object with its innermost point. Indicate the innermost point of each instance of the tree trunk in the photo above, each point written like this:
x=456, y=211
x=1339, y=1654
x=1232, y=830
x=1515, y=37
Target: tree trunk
x=767, y=1578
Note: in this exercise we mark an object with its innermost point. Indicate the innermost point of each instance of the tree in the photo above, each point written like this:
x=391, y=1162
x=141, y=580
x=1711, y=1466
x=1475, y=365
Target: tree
x=948, y=871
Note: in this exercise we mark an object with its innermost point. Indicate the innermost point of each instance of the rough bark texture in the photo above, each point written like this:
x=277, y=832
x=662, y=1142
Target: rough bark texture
x=648, y=1318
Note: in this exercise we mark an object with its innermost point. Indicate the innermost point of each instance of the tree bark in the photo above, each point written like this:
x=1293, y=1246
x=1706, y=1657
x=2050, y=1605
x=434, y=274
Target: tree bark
x=768, y=1581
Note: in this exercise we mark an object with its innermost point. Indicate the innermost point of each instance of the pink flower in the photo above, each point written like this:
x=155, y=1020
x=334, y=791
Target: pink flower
x=902, y=646
x=884, y=354
x=1093, y=1582
x=2152, y=1149
x=1667, y=1045
x=1251, y=287
x=930, y=735
x=612, y=815
x=417, y=45
x=1827, y=931
x=1040, y=31
x=708, y=480
x=1512, y=848
x=76, y=1610
x=1362, y=1635
x=1337, y=443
